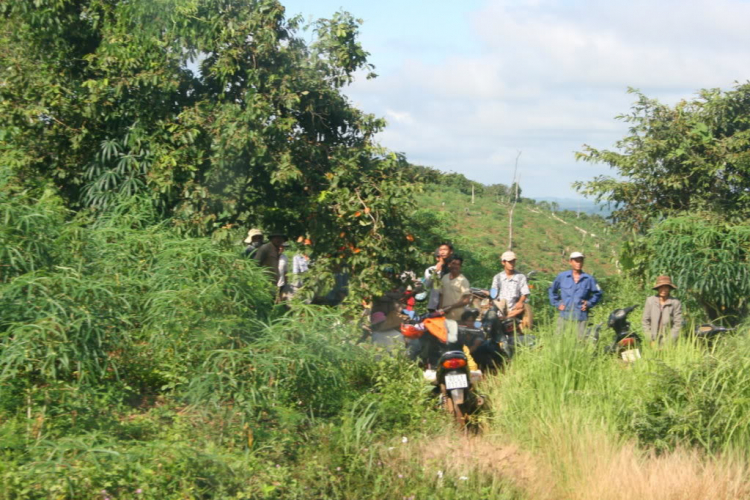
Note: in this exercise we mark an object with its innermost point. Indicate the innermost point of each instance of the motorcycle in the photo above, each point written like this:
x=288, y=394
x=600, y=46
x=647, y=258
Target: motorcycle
x=709, y=332
x=456, y=388
x=502, y=338
x=437, y=344
x=388, y=336
x=627, y=342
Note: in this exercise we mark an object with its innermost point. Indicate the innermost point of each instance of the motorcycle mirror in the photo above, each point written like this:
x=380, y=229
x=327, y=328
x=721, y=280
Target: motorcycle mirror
x=494, y=293
x=420, y=297
x=477, y=325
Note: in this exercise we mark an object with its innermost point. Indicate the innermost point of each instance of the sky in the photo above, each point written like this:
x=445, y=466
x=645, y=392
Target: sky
x=467, y=85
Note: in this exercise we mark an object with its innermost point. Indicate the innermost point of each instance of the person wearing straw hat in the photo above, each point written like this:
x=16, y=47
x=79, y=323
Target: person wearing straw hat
x=253, y=241
x=662, y=313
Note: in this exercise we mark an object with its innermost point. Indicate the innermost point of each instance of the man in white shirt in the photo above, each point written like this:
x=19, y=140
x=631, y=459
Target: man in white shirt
x=512, y=286
x=283, y=267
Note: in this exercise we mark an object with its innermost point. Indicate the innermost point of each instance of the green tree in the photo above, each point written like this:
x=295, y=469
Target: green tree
x=692, y=156
x=683, y=186
x=218, y=111
x=708, y=258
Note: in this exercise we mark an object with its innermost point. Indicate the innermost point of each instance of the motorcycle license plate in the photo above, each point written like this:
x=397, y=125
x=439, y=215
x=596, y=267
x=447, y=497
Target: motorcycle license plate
x=631, y=355
x=456, y=381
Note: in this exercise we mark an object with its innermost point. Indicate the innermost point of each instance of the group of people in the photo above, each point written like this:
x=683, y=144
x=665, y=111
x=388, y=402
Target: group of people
x=273, y=255
x=574, y=293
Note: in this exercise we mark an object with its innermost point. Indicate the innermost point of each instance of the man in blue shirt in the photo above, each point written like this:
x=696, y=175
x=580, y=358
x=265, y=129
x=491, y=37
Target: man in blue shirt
x=574, y=293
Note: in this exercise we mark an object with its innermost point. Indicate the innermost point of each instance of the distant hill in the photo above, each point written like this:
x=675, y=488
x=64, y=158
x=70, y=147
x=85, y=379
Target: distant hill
x=578, y=205
x=543, y=239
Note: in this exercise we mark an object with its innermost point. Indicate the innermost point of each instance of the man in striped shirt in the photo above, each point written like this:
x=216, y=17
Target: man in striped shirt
x=512, y=287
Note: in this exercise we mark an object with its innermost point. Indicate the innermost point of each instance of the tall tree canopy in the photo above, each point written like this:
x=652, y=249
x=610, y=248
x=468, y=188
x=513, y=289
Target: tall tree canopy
x=694, y=156
x=216, y=110
x=684, y=185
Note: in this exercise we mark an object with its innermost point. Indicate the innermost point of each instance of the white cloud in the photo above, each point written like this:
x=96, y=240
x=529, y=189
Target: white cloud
x=549, y=76
x=399, y=116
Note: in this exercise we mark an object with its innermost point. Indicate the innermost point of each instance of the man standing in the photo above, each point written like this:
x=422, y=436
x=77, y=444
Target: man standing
x=254, y=240
x=300, y=263
x=662, y=314
x=434, y=274
x=268, y=255
x=283, y=266
x=512, y=286
x=455, y=291
x=574, y=293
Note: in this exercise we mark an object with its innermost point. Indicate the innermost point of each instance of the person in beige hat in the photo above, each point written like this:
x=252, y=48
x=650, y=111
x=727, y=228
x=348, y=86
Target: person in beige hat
x=662, y=313
x=253, y=241
x=512, y=286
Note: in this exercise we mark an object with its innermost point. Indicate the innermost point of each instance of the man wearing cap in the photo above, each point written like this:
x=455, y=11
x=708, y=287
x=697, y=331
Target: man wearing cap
x=254, y=240
x=268, y=255
x=662, y=314
x=512, y=287
x=574, y=293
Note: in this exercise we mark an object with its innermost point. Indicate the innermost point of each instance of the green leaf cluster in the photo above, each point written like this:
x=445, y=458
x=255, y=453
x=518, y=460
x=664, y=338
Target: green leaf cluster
x=219, y=113
x=694, y=156
x=683, y=187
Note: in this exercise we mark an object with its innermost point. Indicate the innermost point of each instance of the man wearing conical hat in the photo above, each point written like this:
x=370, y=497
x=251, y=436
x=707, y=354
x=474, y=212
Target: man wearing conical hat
x=662, y=314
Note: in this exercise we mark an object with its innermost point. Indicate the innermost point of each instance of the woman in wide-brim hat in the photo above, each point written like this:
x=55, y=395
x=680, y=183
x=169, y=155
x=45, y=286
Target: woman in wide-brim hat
x=662, y=314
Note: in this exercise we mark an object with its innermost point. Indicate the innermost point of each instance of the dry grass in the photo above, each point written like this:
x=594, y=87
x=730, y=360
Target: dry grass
x=594, y=467
x=584, y=466
x=457, y=456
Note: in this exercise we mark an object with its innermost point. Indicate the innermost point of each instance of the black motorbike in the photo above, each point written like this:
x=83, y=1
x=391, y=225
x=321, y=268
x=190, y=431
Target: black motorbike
x=456, y=386
x=627, y=342
x=710, y=333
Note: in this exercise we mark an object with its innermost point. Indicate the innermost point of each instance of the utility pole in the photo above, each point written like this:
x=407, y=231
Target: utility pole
x=515, y=200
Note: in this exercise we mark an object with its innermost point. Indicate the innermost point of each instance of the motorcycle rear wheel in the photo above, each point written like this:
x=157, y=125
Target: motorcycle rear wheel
x=455, y=410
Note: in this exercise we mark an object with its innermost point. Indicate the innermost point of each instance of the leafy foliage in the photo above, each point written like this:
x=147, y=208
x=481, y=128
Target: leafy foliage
x=217, y=113
x=694, y=156
x=705, y=255
x=137, y=362
x=705, y=404
x=684, y=189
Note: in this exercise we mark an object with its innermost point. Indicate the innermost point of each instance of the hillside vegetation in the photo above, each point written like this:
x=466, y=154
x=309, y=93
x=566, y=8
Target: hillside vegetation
x=542, y=239
x=143, y=356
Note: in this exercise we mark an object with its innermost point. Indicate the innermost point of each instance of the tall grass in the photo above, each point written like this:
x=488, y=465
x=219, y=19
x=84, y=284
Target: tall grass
x=139, y=363
x=609, y=429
